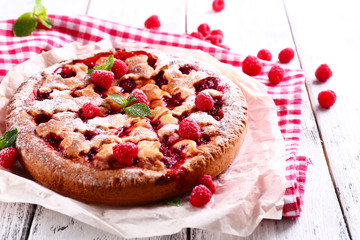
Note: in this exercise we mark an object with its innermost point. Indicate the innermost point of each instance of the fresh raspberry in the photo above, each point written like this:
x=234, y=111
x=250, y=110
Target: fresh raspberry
x=286, y=55
x=125, y=153
x=204, y=29
x=200, y=196
x=8, y=157
x=102, y=78
x=207, y=181
x=204, y=102
x=217, y=32
x=140, y=96
x=90, y=110
x=152, y=22
x=323, y=73
x=119, y=68
x=276, y=74
x=189, y=129
x=264, y=54
x=218, y=5
x=326, y=98
x=197, y=35
x=251, y=66
x=214, y=39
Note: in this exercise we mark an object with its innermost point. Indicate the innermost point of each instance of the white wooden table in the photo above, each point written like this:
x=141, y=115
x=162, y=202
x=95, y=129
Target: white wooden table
x=321, y=31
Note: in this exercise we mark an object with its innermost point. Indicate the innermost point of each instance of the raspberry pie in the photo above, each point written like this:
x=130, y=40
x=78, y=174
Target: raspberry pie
x=75, y=138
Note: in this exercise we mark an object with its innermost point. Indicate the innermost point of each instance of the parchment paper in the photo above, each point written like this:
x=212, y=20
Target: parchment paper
x=250, y=190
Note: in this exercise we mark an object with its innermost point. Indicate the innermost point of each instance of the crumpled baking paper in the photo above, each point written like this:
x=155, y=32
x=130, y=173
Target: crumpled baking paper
x=250, y=190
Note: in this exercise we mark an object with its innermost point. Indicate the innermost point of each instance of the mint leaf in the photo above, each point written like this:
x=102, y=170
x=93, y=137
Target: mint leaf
x=25, y=25
x=175, y=202
x=8, y=138
x=130, y=100
x=39, y=8
x=105, y=66
x=45, y=21
x=119, y=99
x=135, y=110
x=138, y=110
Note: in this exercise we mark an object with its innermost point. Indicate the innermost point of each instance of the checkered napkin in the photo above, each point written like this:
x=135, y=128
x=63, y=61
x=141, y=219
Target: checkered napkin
x=84, y=29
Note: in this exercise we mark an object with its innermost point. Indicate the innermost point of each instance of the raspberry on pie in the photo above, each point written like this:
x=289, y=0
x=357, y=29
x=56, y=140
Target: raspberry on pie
x=76, y=140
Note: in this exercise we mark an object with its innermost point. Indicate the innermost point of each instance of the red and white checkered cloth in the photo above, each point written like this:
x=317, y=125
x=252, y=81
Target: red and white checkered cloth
x=84, y=29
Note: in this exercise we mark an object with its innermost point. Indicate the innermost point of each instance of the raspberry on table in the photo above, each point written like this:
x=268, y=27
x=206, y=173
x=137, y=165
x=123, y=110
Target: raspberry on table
x=189, y=129
x=102, y=78
x=8, y=157
x=125, y=153
x=217, y=32
x=264, y=54
x=197, y=35
x=119, y=68
x=204, y=29
x=323, y=73
x=286, y=55
x=214, y=39
x=207, y=181
x=276, y=74
x=326, y=98
x=218, y=5
x=140, y=97
x=152, y=22
x=200, y=196
x=204, y=102
x=90, y=110
x=251, y=65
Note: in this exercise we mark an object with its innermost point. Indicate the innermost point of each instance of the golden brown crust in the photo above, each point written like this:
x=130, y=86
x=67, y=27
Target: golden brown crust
x=133, y=185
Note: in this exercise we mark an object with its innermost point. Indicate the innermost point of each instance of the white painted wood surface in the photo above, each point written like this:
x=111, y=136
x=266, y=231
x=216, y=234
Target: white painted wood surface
x=321, y=31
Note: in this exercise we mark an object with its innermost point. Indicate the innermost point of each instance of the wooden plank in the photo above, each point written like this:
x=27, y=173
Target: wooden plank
x=15, y=220
x=249, y=26
x=48, y=224
x=135, y=12
x=330, y=34
x=14, y=8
